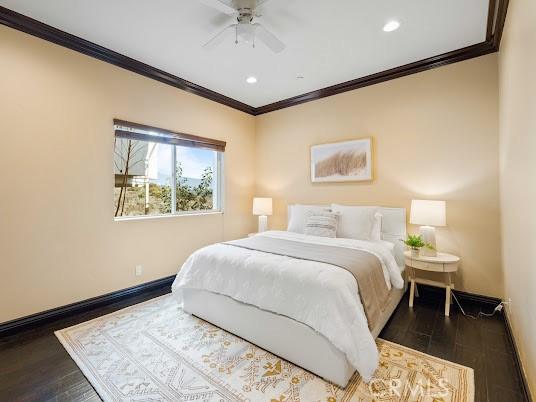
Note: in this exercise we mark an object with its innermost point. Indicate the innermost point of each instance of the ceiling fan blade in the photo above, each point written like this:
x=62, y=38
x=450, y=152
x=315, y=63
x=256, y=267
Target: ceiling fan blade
x=259, y=7
x=224, y=6
x=259, y=3
x=219, y=38
x=268, y=38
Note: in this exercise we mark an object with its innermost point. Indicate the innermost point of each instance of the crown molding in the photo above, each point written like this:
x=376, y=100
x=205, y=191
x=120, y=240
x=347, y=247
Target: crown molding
x=41, y=30
x=455, y=56
x=495, y=24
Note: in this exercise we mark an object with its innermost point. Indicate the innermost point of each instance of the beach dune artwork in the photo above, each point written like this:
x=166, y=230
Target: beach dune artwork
x=342, y=161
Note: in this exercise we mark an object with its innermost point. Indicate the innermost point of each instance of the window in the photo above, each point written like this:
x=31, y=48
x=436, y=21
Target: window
x=160, y=172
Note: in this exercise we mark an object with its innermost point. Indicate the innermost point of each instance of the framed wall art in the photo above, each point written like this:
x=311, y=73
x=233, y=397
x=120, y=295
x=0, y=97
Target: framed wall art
x=342, y=161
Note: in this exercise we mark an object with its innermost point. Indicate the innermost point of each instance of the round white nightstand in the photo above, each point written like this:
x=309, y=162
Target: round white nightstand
x=443, y=263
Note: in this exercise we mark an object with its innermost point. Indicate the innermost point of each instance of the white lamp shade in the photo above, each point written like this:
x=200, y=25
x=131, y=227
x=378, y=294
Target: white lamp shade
x=427, y=212
x=262, y=206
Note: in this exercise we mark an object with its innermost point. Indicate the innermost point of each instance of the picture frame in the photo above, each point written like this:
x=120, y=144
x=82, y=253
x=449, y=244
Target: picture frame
x=344, y=161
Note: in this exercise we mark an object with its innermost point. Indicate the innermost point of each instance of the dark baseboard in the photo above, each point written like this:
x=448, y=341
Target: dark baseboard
x=34, y=320
x=481, y=300
x=489, y=303
x=524, y=383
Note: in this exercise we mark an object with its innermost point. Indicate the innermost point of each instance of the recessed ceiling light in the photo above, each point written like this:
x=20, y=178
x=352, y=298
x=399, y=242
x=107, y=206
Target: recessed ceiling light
x=251, y=80
x=391, y=26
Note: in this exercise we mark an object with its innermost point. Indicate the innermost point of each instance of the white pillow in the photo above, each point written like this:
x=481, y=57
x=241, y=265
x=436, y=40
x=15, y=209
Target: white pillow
x=298, y=215
x=376, y=233
x=355, y=222
x=323, y=225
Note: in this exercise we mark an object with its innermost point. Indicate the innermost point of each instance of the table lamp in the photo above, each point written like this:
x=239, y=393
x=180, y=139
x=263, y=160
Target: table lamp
x=428, y=214
x=263, y=208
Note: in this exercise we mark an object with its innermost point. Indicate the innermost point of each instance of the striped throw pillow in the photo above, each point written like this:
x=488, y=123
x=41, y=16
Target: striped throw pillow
x=322, y=224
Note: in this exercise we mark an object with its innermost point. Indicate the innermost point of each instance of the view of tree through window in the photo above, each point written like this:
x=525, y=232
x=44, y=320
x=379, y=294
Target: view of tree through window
x=153, y=178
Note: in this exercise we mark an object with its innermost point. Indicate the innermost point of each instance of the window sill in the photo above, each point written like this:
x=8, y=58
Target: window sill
x=150, y=217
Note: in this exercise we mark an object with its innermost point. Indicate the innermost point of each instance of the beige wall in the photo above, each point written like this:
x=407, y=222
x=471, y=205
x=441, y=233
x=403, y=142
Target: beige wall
x=435, y=133
x=435, y=136
x=517, y=89
x=58, y=240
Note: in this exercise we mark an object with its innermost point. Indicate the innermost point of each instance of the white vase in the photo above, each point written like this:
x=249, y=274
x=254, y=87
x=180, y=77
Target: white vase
x=415, y=252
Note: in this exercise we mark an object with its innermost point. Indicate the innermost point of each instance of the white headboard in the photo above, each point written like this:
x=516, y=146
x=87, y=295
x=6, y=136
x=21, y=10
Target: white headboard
x=394, y=229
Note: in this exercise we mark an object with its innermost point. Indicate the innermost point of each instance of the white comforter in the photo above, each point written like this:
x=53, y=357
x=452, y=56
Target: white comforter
x=322, y=296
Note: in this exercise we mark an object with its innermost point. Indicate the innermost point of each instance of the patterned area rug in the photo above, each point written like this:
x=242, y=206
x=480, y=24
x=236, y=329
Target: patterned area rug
x=154, y=351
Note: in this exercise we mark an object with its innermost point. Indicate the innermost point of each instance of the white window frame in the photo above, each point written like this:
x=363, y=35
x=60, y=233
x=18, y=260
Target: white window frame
x=217, y=190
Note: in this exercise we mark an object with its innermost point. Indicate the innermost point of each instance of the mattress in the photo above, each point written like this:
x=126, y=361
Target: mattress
x=281, y=335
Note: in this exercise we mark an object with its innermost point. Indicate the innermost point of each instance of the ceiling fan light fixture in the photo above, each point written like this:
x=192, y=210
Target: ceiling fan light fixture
x=246, y=32
x=246, y=29
x=391, y=26
x=251, y=80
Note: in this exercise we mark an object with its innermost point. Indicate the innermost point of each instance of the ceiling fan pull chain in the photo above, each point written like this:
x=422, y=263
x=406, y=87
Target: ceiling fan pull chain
x=236, y=35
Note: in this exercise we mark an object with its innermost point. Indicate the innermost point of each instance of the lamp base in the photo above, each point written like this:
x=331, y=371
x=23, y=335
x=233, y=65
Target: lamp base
x=263, y=223
x=428, y=236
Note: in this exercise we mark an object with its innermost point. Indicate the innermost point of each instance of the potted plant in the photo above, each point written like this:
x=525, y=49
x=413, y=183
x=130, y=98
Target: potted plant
x=415, y=243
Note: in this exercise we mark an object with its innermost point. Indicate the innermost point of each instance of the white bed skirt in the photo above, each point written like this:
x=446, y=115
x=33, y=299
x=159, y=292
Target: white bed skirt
x=282, y=336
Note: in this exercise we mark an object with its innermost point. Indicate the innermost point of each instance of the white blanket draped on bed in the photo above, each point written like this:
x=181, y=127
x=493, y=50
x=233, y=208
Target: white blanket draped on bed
x=322, y=296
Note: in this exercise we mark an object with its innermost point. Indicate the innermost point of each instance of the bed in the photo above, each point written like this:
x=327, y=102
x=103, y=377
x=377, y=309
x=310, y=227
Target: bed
x=214, y=289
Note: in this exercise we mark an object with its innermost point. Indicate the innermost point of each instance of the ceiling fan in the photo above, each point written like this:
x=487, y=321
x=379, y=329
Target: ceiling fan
x=245, y=28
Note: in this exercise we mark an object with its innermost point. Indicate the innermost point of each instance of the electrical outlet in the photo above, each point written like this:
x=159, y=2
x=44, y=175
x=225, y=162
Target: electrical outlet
x=139, y=270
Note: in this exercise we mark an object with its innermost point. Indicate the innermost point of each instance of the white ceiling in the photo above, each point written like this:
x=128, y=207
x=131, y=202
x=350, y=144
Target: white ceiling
x=328, y=41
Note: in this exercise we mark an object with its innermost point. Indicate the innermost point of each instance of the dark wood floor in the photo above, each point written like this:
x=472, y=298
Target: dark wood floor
x=35, y=367
x=482, y=344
